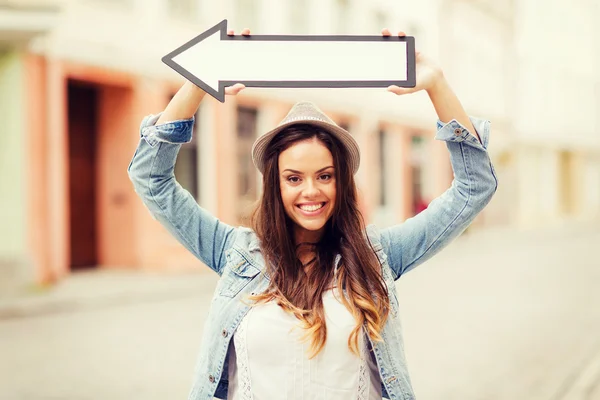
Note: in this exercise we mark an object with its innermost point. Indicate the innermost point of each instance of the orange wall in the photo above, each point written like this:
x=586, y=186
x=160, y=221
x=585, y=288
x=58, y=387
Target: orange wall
x=56, y=169
x=153, y=247
x=127, y=234
x=115, y=202
x=36, y=143
x=226, y=125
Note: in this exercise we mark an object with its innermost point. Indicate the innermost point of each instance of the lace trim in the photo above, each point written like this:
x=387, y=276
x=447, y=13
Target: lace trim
x=241, y=349
x=243, y=367
x=364, y=374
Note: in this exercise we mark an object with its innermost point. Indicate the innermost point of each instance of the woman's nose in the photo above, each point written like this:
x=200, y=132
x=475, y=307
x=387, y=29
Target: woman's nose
x=311, y=189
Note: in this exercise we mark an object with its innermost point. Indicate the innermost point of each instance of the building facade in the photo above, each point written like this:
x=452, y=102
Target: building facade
x=75, y=89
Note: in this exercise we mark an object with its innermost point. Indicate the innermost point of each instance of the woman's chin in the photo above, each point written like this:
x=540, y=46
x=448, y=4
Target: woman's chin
x=311, y=227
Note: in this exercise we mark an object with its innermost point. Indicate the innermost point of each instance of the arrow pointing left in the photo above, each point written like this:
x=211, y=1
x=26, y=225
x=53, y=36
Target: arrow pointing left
x=214, y=60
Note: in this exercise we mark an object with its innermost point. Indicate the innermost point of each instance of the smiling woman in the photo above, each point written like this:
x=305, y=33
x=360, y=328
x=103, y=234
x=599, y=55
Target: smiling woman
x=306, y=305
x=307, y=181
x=314, y=248
x=308, y=195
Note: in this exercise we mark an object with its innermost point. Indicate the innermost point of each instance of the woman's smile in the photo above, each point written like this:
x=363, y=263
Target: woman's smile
x=311, y=209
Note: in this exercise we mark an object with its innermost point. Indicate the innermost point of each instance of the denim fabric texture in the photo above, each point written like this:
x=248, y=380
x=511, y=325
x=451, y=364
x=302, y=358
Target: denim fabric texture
x=234, y=252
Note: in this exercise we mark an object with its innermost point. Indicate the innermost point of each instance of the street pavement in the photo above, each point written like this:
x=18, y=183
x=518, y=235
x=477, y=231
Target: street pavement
x=498, y=315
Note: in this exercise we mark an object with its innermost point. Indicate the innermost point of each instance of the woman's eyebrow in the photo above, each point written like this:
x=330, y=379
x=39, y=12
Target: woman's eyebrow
x=298, y=172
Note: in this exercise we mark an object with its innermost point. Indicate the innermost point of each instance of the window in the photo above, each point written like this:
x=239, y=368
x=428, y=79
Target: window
x=299, y=10
x=417, y=150
x=380, y=20
x=186, y=167
x=415, y=29
x=383, y=162
x=247, y=178
x=183, y=9
x=344, y=125
x=246, y=14
x=125, y=3
x=342, y=16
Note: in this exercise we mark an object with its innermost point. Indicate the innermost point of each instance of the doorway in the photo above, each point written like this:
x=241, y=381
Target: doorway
x=82, y=120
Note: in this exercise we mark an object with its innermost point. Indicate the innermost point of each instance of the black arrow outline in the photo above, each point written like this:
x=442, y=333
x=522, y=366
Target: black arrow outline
x=222, y=26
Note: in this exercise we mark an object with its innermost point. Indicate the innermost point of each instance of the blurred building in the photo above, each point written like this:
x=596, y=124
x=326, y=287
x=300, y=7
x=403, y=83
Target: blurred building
x=77, y=76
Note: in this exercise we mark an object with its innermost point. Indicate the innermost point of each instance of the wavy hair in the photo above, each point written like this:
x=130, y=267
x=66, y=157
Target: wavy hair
x=299, y=288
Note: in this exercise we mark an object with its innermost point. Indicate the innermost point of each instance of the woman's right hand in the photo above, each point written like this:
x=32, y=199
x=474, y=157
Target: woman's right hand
x=238, y=87
x=186, y=101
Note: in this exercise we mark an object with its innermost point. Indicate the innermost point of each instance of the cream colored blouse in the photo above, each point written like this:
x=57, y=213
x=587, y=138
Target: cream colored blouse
x=269, y=361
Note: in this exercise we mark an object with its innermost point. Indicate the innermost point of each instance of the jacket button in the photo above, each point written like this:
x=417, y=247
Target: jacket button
x=458, y=131
x=211, y=379
x=224, y=333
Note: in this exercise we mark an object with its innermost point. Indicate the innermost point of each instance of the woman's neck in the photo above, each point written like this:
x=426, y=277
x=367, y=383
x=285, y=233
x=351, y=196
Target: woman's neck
x=306, y=253
x=302, y=235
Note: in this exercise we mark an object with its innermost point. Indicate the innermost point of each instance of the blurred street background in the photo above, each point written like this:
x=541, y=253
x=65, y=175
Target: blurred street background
x=496, y=316
x=98, y=301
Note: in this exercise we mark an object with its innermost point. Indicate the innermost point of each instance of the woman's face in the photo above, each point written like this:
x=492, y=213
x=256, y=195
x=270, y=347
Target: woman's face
x=307, y=182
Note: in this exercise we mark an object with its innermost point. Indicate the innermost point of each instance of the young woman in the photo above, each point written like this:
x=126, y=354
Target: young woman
x=306, y=305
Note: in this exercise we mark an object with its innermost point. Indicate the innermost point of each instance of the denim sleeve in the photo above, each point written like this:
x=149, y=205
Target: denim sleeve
x=152, y=173
x=420, y=237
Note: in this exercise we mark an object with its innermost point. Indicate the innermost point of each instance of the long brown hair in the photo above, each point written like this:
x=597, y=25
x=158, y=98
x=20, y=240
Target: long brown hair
x=299, y=288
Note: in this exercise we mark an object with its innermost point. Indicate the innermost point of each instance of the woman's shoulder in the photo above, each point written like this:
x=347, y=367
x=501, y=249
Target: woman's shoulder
x=246, y=239
x=373, y=235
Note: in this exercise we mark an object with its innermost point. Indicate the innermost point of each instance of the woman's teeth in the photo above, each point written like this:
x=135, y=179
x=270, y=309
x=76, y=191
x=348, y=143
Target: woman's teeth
x=311, y=208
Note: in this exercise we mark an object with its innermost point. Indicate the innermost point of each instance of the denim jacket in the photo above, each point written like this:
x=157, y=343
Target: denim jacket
x=234, y=252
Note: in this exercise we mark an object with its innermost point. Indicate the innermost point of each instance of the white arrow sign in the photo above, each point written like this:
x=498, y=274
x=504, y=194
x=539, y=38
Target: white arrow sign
x=213, y=61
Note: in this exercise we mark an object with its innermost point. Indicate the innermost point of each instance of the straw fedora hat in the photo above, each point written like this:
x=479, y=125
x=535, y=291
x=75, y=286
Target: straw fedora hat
x=306, y=112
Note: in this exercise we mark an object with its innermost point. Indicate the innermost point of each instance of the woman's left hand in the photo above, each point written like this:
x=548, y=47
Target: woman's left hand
x=428, y=73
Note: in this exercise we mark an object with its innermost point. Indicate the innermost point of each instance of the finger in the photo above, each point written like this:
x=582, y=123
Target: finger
x=386, y=32
x=235, y=89
x=401, y=34
x=246, y=32
x=398, y=90
x=230, y=32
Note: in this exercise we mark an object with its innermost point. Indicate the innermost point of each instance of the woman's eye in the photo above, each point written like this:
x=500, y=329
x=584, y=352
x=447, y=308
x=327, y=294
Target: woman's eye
x=326, y=177
x=294, y=179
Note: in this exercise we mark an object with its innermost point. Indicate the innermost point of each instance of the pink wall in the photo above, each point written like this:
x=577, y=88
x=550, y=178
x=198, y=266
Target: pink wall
x=116, y=202
x=36, y=143
x=127, y=234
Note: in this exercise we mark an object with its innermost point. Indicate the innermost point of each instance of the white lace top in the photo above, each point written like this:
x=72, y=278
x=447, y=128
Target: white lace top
x=270, y=362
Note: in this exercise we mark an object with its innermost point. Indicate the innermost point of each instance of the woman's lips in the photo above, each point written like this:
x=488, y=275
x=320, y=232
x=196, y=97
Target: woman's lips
x=312, y=213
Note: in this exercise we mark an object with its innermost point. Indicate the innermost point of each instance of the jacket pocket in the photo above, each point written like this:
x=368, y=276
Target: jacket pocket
x=239, y=272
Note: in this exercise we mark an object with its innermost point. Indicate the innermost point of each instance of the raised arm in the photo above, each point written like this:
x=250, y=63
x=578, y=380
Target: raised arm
x=417, y=239
x=152, y=173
